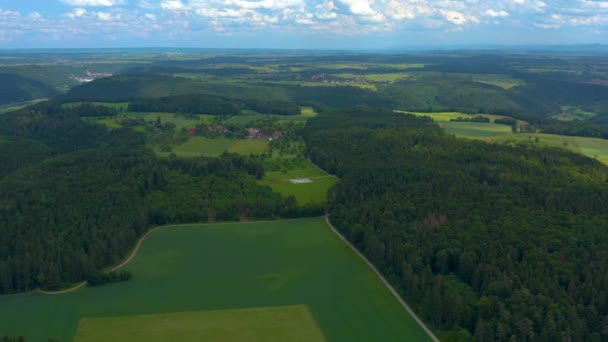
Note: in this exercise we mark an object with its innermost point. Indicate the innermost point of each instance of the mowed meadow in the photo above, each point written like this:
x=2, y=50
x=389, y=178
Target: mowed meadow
x=235, y=275
x=596, y=148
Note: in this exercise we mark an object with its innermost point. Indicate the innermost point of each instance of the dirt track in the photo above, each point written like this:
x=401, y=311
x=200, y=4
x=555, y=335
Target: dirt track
x=386, y=283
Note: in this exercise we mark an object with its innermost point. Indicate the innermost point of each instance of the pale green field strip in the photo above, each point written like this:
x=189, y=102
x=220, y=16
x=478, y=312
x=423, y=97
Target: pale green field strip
x=194, y=268
x=120, y=106
x=179, y=121
x=15, y=106
x=199, y=146
x=592, y=147
x=284, y=323
x=448, y=116
x=388, y=77
x=476, y=130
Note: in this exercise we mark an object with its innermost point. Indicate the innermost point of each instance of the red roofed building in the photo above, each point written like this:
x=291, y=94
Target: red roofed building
x=191, y=130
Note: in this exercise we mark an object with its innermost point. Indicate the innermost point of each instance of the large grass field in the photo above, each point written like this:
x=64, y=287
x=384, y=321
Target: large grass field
x=193, y=270
x=315, y=192
x=199, y=146
x=591, y=147
x=282, y=323
x=476, y=130
x=15, y=106
x=447, y=116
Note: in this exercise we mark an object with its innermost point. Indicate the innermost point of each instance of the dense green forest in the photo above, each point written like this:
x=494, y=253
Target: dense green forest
x=211, y=104
x=77, y=196
x=485, y=241
x=16, y=88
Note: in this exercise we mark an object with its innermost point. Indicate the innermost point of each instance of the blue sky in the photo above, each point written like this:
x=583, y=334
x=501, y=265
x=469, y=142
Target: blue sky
x=299, y=23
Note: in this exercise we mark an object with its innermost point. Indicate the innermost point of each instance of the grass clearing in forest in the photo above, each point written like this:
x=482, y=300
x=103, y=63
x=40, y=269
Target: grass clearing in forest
x=448, y=116
x=282, y=323
x=476, y=130
x=591, y=147
x=199, y=146
x=314, y=192
x=202, y=268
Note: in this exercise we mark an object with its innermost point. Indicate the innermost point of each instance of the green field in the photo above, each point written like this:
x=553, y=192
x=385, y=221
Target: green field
x=315, y=192
x=447, y=116
x=476, y=130
x=15, y=106
x=502, y=81
x=592, y=147
x=573, y=113
x=388, y=77
x=198, y=268
x=199, y=146
x=179, y=121
x=283, y=323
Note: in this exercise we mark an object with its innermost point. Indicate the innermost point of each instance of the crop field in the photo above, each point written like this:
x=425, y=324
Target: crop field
x=388, y=77
x=573, y=113
x=314, y=192
x=502, y=81
x=447, y=116
x=199, y=146
x=592, y=147
x=179, y=121
x=216, y=276
x=15, y=106
x=282, y=323
x=476, y=130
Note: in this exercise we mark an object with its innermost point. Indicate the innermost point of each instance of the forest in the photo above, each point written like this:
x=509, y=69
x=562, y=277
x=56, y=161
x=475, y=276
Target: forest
x=485, y=241
x=78, y=196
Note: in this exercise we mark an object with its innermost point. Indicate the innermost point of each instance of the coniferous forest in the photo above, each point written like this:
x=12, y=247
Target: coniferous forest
x=485, y=241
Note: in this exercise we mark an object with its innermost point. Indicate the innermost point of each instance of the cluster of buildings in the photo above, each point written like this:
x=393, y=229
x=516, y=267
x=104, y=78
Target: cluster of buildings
x=252, y=132
x=256, y=133
x=90, y=76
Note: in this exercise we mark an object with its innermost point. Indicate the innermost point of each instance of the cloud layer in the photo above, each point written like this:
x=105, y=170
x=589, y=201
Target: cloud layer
x=482, y=21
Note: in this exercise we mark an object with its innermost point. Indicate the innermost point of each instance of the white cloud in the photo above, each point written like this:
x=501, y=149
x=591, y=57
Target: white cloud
x=76, y=13
x=35, y=15
x=8, y=13
x=172, y=5
x=150, y=16
x=494, y=14
x=265, y=4
x=93, y=3
x=399, y=10
x=359, y=7
x=458, y=18
x=107, y=16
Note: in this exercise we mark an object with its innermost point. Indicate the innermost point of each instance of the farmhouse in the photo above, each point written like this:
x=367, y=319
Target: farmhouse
x=219, y=128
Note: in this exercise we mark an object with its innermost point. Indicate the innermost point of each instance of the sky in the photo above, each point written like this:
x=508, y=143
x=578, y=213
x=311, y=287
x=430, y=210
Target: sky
x=299, y=24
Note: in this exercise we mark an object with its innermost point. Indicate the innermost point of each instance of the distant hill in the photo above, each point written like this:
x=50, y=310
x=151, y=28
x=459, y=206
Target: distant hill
x=129, y=87
x=15, y=88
